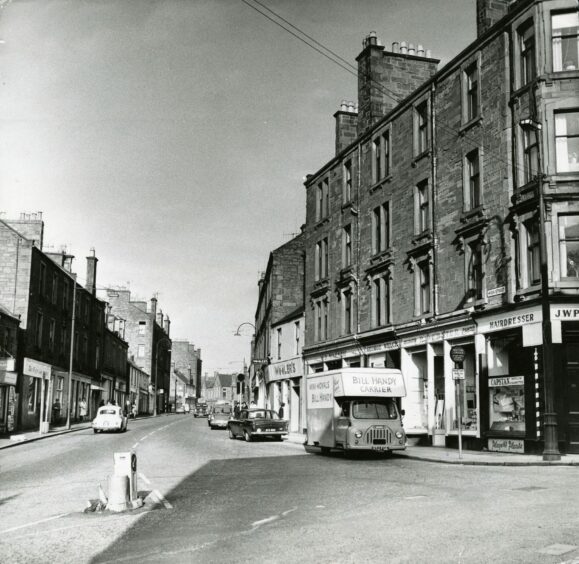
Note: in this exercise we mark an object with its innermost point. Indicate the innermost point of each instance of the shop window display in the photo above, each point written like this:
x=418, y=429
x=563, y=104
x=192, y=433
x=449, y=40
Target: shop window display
x=467, y=398
x=507, y=404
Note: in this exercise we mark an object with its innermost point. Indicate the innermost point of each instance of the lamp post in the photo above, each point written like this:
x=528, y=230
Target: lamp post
x=155, y=366
x=238, y=334
x=551, y=442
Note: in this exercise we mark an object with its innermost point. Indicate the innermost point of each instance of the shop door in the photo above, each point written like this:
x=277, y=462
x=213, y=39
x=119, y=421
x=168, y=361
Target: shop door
x=573, y=398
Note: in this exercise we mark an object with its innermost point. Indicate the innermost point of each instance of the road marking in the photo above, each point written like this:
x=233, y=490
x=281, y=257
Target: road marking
x=286, y=513
x=264, y=521
x=161, y=499
x=144, y=478
x=34, y=523
x=135, y=445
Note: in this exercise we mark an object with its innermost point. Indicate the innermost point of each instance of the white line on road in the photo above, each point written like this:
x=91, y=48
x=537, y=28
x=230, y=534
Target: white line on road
x=144, y=478
x=256, y=524
x=161, y=499
x=34, y=523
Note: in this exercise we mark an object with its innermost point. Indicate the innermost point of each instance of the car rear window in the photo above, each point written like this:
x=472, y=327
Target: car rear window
x=224, y=409
x=108, y=412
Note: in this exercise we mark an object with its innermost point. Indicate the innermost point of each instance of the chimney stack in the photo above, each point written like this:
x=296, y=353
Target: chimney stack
x=91, y=269
x=346, y=125
x=387, y=77
x=167, y=326
x=488, y=13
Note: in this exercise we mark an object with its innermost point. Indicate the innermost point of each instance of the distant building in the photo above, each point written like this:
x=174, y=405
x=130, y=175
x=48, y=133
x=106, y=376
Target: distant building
x=146, y=330
x=139, y=386
x=222, y=387
x=187, y=363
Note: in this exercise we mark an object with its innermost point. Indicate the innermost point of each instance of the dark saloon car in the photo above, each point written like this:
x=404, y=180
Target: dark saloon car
x=254, y=423
x=201, y=410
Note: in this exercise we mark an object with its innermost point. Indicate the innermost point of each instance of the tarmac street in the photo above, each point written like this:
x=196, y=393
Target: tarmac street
x=212, y=499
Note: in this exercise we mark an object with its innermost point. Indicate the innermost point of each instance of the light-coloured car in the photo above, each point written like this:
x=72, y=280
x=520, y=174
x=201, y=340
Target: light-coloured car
x=110, y=418
x=219, y=416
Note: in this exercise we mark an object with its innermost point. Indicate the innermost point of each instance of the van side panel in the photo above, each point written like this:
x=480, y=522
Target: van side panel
x=320, y=412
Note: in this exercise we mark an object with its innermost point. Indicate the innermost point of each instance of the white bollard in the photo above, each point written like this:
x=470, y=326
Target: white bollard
x=118, y=494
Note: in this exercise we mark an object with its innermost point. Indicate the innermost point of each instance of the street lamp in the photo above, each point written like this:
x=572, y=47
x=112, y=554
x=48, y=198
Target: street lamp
x=238, y=334
x=155, y=366
x=551, y=442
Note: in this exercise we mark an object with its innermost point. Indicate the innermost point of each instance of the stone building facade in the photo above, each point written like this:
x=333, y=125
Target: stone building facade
x=40, y=289
x=281, y=293
x=423, y=233
x=146, y=330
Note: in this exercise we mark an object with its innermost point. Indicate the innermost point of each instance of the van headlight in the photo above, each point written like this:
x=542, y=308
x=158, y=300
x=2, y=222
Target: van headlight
x=358, y=434
x=399, y=434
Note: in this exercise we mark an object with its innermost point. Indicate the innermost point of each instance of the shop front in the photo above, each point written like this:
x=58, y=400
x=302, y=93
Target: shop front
x=511, y=382
x=284, y=381
x=8, y=396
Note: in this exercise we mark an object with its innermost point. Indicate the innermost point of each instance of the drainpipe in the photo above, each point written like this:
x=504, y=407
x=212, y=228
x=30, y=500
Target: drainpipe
x=358, y=237
x=433, y=161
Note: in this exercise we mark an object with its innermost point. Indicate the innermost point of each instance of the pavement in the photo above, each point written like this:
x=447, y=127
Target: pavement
x=441, y=455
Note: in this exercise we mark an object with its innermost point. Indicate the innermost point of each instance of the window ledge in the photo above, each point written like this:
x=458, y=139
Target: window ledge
x=377, y=185
x=470, y=124
x=347, y=205
x=420, y=156
x=321, y=222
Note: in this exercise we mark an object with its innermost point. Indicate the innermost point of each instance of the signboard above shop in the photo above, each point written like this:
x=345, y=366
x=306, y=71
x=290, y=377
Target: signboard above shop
x=36, y=369
x=369, y=382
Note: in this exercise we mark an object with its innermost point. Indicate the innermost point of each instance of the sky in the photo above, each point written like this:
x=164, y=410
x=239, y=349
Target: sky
x=174, y=136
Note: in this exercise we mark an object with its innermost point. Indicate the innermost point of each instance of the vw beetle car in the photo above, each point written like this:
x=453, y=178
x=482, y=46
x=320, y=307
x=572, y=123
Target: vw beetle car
x=253, y=423
x=110, y=418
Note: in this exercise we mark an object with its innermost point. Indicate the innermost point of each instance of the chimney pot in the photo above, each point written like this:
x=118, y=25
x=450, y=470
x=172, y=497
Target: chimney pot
x=395, y=47
x=428, y=54
x=411, y=50
x=343, y=106
x=403, y=48
x=420, y=50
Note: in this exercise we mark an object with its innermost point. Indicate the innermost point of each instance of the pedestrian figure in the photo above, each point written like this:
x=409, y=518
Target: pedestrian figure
x=101, y=403
x=281, y=411
x=82, y=409
x=56, y=411
x=134, y=410
x=236, y=410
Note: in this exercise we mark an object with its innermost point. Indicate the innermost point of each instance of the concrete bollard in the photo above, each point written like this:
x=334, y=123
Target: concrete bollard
x=118, y=494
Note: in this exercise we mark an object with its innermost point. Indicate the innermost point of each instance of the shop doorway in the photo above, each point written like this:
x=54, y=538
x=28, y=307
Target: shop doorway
x=572, y=383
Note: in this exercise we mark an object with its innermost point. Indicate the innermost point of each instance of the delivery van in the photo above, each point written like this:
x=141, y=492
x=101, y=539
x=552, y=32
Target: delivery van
x=356, y=409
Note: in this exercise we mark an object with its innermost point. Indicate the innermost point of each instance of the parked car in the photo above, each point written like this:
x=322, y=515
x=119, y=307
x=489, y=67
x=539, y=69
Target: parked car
x=201, y=411
x=254, y=423
x=219, y=416
x=110, y=418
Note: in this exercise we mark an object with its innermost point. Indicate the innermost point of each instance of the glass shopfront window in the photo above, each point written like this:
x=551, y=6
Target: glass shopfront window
x=507, y=404
x=466, y=397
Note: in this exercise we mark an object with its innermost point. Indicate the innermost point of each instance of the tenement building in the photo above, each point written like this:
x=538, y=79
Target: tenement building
x=281, y=297
x=448, y=220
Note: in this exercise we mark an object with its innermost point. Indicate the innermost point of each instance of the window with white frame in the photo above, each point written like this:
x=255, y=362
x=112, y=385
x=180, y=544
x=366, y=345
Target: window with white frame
x=347, y=311
x=142, y=327
x=279, y=337
x=319, y=201
x=423, y=287
x=530, y=154
x=321, y=319
x=526, y=45
x=472, y=190
x=533, y=256
x=471, y=93
x=65, y=294
x=421, y=207
x=565, y=36
x=33, y=394
x=380, y=301
x=321, y=257
x=567, y=141
x=421, y=128
x=475, y=273
x=569, y=246
x=381, y=228
x=347, y=182
x=42, y=280
x=381, y=156
x=347, y=246
x=140, y=351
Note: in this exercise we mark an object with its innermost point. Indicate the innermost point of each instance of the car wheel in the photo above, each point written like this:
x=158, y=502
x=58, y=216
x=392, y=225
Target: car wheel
x=325, y=450
x=279, y=438
x=231, y=433
x=247, y=436
x=96, y=431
